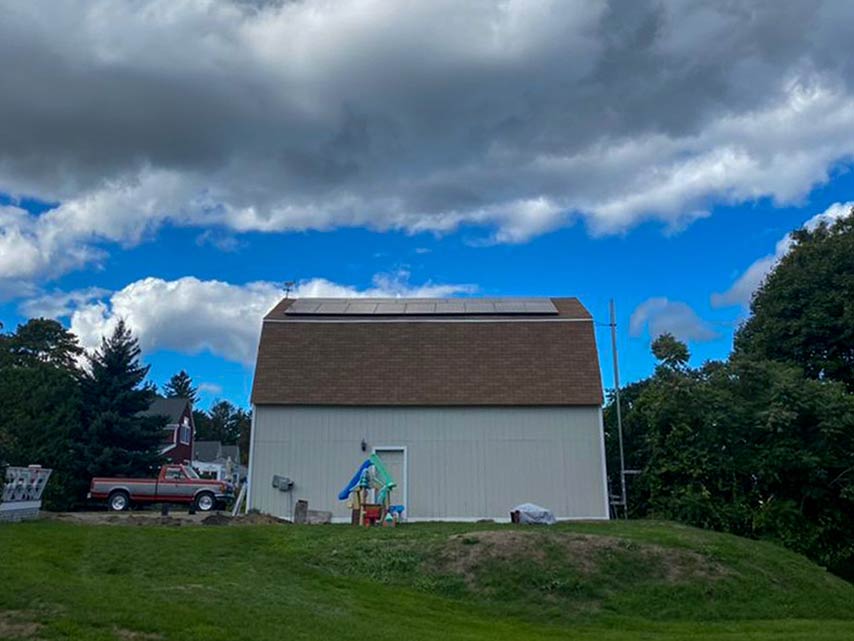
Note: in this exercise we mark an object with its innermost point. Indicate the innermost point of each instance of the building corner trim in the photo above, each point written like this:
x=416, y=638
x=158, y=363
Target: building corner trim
x=604, y=456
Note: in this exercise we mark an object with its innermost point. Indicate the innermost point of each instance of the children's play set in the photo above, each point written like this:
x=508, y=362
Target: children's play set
x=368, y=495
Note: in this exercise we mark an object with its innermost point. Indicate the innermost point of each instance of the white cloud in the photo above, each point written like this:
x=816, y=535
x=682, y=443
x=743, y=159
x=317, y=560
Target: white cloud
x=660, y=315
x=214, y=389
x=190, y=316
x=393, y=285
x=741, y=291
x=60, y=304
x=222, y=242
x=519, y=116
x=68, y=236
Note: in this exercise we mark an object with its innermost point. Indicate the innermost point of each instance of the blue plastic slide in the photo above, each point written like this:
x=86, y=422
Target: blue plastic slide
x=354, y=482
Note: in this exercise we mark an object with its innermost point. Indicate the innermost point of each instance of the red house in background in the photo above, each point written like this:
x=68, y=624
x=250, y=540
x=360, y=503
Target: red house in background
x=179, y=432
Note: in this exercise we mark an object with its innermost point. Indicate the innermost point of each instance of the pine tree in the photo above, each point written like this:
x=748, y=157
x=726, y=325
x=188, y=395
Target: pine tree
x=181, y=386
x=41, y=340
x=221, y=424
x=202, y=421
x=244, y=421
x=116, y=440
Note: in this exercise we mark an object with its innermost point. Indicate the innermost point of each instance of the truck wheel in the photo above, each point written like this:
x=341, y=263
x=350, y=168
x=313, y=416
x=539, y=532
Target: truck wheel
x=119, y=501
x=205, y=502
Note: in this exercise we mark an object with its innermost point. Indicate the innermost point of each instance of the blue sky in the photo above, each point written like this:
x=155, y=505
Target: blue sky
x=653, y=153
x=646, y=262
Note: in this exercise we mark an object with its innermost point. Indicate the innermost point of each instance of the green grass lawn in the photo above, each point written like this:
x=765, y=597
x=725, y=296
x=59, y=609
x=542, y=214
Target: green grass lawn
x=604, y=581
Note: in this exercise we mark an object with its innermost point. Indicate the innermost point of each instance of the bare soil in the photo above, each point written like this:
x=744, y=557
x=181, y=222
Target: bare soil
x=465, y=553
x=253, y=518
x=15, y=624
x=127, y=518
x=175, y=518
x=131, y=635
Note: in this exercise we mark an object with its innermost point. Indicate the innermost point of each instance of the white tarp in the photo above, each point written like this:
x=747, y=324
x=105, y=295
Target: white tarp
x=534, y=514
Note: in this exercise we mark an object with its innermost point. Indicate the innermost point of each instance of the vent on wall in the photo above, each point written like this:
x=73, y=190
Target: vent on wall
x=419, y=306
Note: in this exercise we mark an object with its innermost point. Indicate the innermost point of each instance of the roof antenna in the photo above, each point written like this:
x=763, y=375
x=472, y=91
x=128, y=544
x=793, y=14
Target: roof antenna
x=289, y=285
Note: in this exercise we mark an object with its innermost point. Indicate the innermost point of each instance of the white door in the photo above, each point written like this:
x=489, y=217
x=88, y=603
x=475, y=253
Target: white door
x=394, y=460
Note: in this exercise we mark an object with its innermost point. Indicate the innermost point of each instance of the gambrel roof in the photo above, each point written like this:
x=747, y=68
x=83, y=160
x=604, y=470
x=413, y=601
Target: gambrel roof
x=429, y=352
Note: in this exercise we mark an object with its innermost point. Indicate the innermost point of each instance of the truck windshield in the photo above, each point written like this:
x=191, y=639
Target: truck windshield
x=191, y=473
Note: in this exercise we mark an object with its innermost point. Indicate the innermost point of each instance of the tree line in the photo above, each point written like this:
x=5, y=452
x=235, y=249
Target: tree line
x=760, y=444
x=81, y=413
x=222, y=422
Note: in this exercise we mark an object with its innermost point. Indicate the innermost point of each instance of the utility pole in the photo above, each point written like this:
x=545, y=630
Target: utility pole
x=613, y=324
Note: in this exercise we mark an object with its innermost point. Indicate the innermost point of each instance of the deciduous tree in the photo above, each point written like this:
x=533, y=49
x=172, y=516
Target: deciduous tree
x=747, y=446
x=804, y=311
x=41, y=403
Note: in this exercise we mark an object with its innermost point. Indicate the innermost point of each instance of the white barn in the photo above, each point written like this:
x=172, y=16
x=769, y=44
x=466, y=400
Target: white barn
x=474, y=405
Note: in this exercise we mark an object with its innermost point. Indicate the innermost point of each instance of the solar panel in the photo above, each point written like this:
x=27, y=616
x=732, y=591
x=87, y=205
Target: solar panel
x=306, y=306
x=450, y=307
x=333, y=308
x=390, y=308
x=361, y=308
x=480, y=307
x=540, y=307
x=508, y=307
x=419, y=306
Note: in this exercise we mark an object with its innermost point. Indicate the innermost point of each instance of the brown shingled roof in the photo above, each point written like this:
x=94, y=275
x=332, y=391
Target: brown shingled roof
x=540, y=359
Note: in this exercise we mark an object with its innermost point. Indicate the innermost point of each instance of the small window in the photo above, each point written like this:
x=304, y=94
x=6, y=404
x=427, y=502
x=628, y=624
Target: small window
x=184, y=431
x=174, y=473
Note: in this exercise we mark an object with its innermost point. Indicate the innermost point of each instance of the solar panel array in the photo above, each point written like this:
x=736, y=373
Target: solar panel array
x=418, y=306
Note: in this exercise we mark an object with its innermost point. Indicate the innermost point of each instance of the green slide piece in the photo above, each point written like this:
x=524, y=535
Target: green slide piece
x=388, y=483
x=383, y=473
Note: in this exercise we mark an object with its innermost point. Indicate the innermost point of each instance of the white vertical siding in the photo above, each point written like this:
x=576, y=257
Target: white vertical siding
x=463, y=462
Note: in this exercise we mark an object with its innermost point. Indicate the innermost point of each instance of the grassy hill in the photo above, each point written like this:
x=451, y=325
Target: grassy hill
x=605, y=581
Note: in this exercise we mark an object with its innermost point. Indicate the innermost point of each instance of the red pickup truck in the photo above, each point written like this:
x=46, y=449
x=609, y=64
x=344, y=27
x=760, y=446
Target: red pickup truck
x=174, y=484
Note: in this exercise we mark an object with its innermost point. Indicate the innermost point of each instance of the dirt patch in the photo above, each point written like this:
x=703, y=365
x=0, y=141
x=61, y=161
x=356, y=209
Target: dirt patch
x=18, y=625
x=131, y=635
x=170, y=521
x=682, y=566
x=140, y=517
x=189, y=587
x=217, y=519
x=464, y=554
x=255, y=518
x=175, y=518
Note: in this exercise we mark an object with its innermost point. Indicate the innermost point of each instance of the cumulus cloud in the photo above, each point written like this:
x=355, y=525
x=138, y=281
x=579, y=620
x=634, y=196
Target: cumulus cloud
x=660, y=315
x=191, y=316
x=741, y=291
x=519, y=116
x=60, y=304
x=214, y=389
